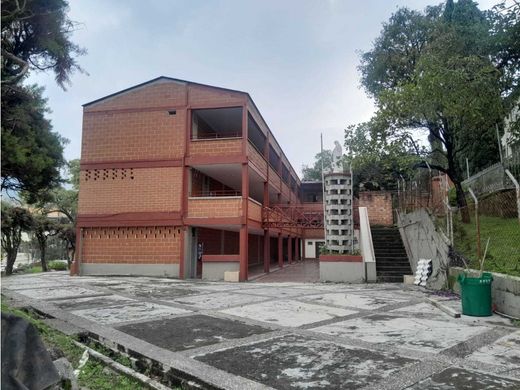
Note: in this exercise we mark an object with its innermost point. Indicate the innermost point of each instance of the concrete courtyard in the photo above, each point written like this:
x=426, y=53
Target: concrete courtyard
x=283, y=335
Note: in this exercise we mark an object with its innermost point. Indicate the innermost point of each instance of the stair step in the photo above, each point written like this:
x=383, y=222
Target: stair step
x=390, y=279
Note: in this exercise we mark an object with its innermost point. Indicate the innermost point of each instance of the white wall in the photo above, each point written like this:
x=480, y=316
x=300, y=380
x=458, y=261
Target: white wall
x=310, y=247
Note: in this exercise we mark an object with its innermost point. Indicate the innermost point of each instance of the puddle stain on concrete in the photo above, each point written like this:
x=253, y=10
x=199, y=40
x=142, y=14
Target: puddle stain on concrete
x=178, y=334
x=288, y=312
x=128, y=312
x=415, y=333
x=294, y=361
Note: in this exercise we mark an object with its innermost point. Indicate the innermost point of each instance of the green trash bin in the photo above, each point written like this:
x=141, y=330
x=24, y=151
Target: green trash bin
x=476, y=295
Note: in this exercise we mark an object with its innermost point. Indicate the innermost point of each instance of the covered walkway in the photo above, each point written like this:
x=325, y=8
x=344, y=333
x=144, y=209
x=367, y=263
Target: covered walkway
x=299, y=272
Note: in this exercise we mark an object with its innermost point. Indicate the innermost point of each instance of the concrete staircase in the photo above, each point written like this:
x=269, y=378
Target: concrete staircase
x=391, y=259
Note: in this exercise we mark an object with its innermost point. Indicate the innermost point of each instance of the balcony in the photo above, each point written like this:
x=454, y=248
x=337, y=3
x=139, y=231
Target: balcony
x=215, y=207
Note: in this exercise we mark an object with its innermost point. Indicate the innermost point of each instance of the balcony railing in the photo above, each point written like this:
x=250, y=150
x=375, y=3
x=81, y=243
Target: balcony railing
x=215, y=136
x=214, y=193
x=291, y=216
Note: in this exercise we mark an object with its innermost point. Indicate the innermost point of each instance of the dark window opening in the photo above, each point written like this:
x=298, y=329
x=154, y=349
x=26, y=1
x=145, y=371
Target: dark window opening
x=217, y=123
x=255, y=135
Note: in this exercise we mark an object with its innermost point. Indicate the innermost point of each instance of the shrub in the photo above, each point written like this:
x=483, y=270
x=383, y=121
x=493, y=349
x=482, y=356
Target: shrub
x=58, y=265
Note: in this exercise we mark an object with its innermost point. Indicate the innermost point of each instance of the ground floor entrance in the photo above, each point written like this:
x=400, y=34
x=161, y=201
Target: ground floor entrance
x=304, y=271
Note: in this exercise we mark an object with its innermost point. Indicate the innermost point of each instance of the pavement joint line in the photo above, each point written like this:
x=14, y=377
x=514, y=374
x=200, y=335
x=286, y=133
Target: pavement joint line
x=409, y=375
x=167, y=359
x=428, y=362
x=348, y=341
x=77, y=297
x=475, y=342
x=234, y=343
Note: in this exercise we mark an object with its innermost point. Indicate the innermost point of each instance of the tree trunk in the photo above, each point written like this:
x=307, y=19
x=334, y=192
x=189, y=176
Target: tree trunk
x=42, y=257
x=461, y=202
x=11, y=258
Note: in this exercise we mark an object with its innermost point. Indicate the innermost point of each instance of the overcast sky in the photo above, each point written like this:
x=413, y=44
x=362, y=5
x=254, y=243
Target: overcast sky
x=297, y=59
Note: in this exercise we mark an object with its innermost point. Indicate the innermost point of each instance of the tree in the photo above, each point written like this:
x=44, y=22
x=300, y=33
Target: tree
x=64, y=201
x=379, y=159
x=449, y=83
x=314, y=173
x=15, y=220
x=36, y=35
x=43, y=228
x=32, y=153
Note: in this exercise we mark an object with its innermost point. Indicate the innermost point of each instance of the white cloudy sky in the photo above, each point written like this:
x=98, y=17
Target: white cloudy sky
x=297, y=59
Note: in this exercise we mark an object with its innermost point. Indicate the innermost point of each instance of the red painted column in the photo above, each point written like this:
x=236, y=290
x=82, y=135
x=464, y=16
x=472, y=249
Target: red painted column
x=280, y=250
x=267, y=250
x=303, y=249
x=243, y=236
x=289, y=249
x=298, y=243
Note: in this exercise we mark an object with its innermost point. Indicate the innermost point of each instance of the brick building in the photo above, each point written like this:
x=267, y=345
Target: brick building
x=187, y=180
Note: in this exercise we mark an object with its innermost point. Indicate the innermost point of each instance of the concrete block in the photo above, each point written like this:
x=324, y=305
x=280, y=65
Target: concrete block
x=408, y=279
x=231, y=276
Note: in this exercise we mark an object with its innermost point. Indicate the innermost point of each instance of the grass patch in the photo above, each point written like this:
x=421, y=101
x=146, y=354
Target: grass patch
x=94, y=375
x=503, y=253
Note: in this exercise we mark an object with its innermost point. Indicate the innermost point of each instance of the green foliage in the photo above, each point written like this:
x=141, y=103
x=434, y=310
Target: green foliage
x=503, y=254
x=36, y=35
x=443, y=70
x=57, y=265
x=43, y=228
x=32, y=153
x=15, y=220
x=51, y=337
x=379, y=159
x=314, y=173
x=94, y=375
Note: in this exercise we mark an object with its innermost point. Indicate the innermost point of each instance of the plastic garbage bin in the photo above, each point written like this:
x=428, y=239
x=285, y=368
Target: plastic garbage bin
x=476, y=295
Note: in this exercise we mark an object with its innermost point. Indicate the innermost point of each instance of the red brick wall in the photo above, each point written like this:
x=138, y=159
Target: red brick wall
x=379, y=206
x=214, y=207
x=123, y=136
x=110, y=191
x=203, y=96
x=148, y=245
x=160, y=94
x=218, y=147
x=257, y=159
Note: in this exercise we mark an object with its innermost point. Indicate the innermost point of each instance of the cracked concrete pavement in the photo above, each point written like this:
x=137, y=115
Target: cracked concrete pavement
x=283, y=335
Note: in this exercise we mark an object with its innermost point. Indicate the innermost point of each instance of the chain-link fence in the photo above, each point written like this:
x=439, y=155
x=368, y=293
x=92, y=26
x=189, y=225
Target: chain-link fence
x=487, y=229
x=486, y=233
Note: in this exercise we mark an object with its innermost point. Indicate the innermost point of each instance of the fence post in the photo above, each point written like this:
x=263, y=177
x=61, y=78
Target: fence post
x=477, y=221
x=515, y=182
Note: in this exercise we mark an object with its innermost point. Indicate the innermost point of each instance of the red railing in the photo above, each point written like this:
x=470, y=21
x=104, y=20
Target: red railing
x=291, y=216
x=214, y=193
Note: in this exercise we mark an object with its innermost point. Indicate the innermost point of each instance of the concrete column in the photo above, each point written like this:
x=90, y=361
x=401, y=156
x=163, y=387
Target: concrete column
x=243, y=237
x=289, y=249
x=267, y=250
x=280, y=250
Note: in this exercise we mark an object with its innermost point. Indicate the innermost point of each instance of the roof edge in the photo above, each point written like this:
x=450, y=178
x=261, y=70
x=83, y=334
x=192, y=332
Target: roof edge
x=162, y=78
